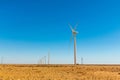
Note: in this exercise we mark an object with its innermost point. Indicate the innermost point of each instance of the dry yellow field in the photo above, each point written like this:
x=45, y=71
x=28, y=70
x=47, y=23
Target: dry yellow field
x=59, y=72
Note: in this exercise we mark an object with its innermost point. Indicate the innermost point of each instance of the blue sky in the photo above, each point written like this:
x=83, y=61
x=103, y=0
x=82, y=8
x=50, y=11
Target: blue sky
x=31, y=28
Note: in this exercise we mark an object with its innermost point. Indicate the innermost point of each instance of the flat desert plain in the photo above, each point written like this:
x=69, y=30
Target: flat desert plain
x=59, y=72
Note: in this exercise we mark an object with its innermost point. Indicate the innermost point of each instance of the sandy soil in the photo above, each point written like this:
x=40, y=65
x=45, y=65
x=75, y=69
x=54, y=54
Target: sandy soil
x=59, y=72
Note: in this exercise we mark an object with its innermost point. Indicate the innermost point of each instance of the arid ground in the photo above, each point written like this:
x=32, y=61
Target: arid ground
x=59, y=72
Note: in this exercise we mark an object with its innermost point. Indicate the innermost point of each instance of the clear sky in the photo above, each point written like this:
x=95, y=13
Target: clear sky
x=31, y=28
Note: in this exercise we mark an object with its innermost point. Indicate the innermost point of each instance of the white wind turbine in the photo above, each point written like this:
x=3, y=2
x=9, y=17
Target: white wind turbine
x=74, y=33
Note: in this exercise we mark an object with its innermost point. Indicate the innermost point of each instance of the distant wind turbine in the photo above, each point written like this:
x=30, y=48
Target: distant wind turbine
x=48, y=57
x=81, y=60
x=74, y=33
x=1, y=60
x=45, y=59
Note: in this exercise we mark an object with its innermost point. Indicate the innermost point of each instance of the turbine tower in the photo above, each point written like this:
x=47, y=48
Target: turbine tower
x=74, y=33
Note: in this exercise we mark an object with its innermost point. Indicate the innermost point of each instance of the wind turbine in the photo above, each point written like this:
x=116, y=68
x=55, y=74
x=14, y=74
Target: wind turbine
x=48, y=57
x=74, y=33
x=81, y=60
x=45, y=59
x=1, y=60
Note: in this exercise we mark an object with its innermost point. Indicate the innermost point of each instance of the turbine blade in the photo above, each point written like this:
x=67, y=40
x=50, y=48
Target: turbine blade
x=70, y=27
x=70, y=43
x=71, y=39
x=77, y=32
x=76, y=26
